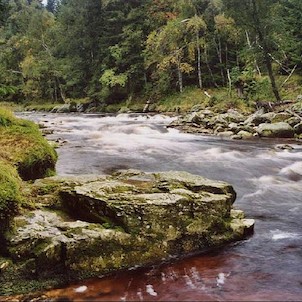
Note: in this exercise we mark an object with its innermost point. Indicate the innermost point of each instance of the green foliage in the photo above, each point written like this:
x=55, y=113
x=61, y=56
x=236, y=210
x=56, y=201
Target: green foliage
x=258, y=17
x=290, y=12
x=112, y=50
x=110, y=79
x=7, y=90
x=192, y=96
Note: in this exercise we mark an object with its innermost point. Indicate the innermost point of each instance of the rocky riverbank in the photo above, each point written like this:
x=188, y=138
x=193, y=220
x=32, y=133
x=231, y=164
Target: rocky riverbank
x=91, y=225
x=283, y=122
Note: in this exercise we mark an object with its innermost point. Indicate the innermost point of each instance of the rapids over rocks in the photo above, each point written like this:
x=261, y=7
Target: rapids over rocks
x=266, y=177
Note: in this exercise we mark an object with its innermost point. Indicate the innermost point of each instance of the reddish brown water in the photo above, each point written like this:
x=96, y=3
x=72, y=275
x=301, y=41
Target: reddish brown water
x=267, y=266
x=198, y=278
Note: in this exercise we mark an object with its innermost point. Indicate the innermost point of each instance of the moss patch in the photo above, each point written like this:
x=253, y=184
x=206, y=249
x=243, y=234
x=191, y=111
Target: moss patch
x=10, y=196
x=23, y=145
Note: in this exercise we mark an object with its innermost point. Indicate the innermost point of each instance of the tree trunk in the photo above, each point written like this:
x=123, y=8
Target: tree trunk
x=198, y=60
x=55, y=94
x=250, y=47
x=209, y=67
x=230, y=82
x=219, y=55
x=180, y=83
x=269, y=67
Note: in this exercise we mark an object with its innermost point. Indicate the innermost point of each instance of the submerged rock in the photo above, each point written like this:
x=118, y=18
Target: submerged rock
x=128, y=219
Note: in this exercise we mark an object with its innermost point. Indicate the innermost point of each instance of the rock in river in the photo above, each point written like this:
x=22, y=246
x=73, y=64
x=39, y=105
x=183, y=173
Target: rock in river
x=280, y=129
x=124, y=220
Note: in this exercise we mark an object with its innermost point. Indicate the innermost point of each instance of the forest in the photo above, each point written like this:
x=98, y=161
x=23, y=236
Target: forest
x=112, y=51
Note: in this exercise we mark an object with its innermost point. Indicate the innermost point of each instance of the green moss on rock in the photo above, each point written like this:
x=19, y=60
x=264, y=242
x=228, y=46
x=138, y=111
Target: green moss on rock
x=23, y=145
x=10, y=196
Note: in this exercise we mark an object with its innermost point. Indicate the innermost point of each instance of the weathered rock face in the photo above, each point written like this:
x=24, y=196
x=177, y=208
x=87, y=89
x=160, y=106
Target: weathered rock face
x=276, y=130
x=125, y=220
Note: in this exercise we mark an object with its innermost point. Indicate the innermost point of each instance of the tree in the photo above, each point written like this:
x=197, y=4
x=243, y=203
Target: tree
x=78, y=50
x=257, y=17
x=291, y=14
x=197, y=27
x=166, y=48
x=124, y=39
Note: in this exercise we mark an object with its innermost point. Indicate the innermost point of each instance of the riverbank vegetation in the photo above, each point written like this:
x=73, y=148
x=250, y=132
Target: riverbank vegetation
x=24, y=155
x=118, y=54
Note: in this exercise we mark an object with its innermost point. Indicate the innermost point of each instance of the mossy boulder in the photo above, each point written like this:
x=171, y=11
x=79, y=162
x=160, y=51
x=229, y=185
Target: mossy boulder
x=131, y=218
x=10, y=196
x=23, y=146
x=278, y=130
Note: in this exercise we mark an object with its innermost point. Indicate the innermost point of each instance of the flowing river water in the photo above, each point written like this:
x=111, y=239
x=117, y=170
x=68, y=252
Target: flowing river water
x=268, y=182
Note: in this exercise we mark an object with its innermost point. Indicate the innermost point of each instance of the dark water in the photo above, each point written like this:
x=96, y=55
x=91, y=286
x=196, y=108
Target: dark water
x=268, y=180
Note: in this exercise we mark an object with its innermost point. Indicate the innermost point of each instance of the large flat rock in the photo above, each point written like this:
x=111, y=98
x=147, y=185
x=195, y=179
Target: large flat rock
x=106, y=223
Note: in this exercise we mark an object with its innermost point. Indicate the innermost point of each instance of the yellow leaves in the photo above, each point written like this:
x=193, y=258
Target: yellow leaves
x=196, y=24
x=185, y=68
x=27, y=64
x=226, y=27
x=221, y=21
x=191, y=51
x=174, y=60
x=174, y=46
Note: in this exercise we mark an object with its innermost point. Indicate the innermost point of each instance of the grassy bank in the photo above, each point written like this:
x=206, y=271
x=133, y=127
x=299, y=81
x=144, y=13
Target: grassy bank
x=219, y=99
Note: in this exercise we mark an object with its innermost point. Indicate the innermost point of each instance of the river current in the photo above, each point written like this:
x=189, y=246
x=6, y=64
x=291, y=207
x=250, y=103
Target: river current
x=267, y=179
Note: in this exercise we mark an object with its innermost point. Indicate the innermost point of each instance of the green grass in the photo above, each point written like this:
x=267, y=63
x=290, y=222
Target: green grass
x=183, y=102
x=292, y=88
x=48, y=105
x=222, y=99
x=41, y=107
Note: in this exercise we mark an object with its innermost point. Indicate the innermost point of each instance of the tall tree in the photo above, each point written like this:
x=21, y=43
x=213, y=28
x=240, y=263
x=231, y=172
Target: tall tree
x=126, y=30
x=166, y=48
x=197, y=27
x=291, y=14
x=80, y=25
x=258, y=17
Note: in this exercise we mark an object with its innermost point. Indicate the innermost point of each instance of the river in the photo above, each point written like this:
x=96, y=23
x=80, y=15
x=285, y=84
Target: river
x=268, y=182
